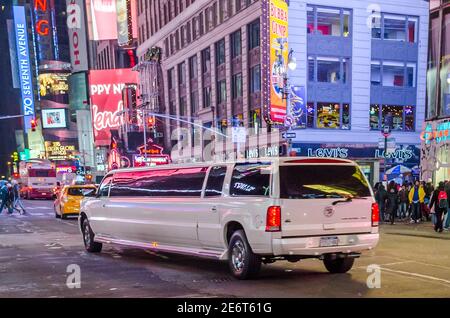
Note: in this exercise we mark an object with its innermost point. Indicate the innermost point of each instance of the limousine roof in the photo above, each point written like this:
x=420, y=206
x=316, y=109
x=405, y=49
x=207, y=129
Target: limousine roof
x=281, y=160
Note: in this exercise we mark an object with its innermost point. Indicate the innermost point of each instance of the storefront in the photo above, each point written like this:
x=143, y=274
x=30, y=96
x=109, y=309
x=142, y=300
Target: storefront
x=369, y=156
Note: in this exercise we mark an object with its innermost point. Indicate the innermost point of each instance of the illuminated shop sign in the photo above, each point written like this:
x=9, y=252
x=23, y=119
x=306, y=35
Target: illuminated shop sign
x=53, y=85
x=23, y=57
x=275, y=40
x=55, y=150
x=77, y=35
x=440, y=134
x=152, y=156
x=272, y=151
x=43, y=28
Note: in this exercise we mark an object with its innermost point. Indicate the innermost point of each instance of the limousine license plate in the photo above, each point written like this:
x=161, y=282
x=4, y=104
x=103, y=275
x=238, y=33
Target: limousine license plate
x=329, y=241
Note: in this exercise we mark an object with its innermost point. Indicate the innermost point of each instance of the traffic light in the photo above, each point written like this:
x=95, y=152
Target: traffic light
x=33, y=124
x=151, y=121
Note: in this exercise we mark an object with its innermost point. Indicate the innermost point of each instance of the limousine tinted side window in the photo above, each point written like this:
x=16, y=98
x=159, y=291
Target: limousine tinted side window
x=103, y=191
x=214, y=184
x=185, y=182
x=251, y=179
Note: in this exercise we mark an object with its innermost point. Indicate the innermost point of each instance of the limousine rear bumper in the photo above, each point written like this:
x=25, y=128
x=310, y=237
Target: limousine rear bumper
x=311, y=246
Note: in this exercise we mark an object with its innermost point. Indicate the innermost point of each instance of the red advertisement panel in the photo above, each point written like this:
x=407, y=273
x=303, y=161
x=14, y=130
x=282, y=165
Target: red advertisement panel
x=106, y=101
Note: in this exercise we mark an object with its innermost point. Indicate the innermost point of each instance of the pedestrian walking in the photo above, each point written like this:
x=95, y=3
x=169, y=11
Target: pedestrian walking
x=416, y=198
x=403, y=203
x=392, y=201
x=3, y=197
x=381, y=197
x=439, y=200
x=17, y=200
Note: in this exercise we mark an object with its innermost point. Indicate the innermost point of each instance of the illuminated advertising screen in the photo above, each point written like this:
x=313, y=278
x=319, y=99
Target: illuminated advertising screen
x=54, y=87
x=54, y=118
x=55, y=150
x=124, y=22
x=78, y=97
x=23, y=57
x=106, y=101
x=76, y=26
x=275, y=40
x=102, y=12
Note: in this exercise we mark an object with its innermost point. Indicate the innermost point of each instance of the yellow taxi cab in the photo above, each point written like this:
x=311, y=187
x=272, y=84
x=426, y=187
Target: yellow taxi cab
x=69, y=198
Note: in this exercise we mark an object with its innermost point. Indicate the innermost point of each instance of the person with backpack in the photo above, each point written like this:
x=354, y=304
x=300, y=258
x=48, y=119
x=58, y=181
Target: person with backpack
x=439, y=200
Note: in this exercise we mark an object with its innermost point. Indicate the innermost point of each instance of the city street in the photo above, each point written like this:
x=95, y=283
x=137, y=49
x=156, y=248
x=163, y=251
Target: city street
x=36, y=249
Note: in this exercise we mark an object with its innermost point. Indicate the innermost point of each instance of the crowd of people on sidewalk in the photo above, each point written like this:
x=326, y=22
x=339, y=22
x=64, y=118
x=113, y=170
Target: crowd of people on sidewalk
x=10, y=197
x=415, y=202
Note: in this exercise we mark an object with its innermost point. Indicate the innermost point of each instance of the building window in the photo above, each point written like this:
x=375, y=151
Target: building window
x=395, y=27
x=329, y=69
x=171, y=78
x=183, y=106
x=194, y=102
x=201, y=24
x=393, y=74
x=193, y=67
x=255, y=119
x=220, y=52
x=206, y=97
x=181, y=74
x=236, y=44
x=400, y=118
x=221, y=91
x=236, y=89
x=238, y=5
x=254, y=34
x=255, y=79
x=310, y=115
x=328, y=21
x=206, y=61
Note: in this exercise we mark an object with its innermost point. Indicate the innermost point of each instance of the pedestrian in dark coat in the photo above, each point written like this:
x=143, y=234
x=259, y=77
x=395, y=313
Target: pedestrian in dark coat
x=440, y=202
x=392, y=201
x=381, y=197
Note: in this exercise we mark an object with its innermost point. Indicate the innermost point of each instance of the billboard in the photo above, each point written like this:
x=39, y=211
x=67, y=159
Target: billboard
x=54, y=118
x=43, y=29
x=106, y=101
x=76, y=26
x=78, y=97
x=101, y=13
x=124, y=22
x=54, y=87
x=23, y=59
x=275, y=40
x=55, y=150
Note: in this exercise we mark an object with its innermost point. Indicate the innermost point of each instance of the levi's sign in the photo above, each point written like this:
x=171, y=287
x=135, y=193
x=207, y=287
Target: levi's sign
x=23, y=58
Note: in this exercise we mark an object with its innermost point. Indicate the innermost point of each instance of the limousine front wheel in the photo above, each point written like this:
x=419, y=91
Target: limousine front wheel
x=242, y=261
x=339, y=265
x=88, y=238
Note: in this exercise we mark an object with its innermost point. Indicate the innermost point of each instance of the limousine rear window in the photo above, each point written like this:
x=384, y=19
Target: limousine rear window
x=184, y=182
x=250, y=179
x=318, y=182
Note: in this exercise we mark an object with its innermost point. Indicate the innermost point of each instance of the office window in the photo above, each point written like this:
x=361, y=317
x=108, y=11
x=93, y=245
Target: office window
x=221, y=92
x=311, y=68
x=392, y=116
x=393, y=74
x=411, y=74
x=236, y=89
x=183, y=106
x=375, y=73
x=201, y=24
x=374, y=116
x=254, y=34
x=310, y=19
x=236, y=44
x=328, y=115
x=220, y=52
x=328, y=70
x=193, y=67
x=171, y=78
x=346, y=116
x=181, y=74
x=206, y=61
x=328, y=21
x=394, y=27
x=409, y=118
x=346, y=23
x=194, y=102
x=412, y=29
x=255, y=79
x=206, y=97
x=310, y=115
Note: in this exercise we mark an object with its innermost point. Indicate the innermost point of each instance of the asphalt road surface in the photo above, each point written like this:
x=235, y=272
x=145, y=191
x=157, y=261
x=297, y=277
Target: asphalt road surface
x=36, y=250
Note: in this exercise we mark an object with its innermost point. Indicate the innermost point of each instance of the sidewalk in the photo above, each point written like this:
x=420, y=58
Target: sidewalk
x=422, y=229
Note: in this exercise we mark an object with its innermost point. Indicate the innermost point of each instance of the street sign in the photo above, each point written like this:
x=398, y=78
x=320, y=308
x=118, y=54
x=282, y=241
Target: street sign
x=386, y=132
x=289, y=135
x=391, y=143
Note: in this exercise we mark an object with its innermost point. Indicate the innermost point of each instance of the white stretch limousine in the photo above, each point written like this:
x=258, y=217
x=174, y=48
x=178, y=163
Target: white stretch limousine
x=247, y=213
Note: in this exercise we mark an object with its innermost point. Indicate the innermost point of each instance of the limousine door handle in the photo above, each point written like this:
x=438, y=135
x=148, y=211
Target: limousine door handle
x=214, y=209
x=104, y=205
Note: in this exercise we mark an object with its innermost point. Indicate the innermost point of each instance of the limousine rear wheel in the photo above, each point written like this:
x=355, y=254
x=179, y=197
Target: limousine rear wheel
x=242, y=261
x=339, y=265
x=88, y=238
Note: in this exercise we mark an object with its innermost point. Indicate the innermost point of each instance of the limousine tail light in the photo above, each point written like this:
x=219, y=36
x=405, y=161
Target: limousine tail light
x=273, y=222
x=375, y=214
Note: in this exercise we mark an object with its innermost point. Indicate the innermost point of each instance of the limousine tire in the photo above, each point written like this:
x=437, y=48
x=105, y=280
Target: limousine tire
x=339, y=265
x=242, y=261
x=88, y=238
